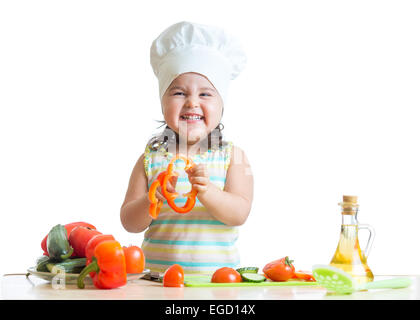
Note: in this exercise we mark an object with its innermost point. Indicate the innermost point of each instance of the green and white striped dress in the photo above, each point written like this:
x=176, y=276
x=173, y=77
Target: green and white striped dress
x=194, y=240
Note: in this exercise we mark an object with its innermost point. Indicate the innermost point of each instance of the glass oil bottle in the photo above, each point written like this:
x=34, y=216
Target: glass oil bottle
x=348, y=255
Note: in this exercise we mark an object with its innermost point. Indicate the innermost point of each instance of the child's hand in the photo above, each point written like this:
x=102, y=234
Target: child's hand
x=199, y=178
x=170, y=188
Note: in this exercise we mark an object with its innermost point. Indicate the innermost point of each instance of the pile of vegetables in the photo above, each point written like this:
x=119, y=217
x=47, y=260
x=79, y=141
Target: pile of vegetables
x=277, y=270
x=80, y=248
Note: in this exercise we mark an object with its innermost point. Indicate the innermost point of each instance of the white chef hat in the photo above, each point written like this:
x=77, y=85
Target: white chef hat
x=190, y=47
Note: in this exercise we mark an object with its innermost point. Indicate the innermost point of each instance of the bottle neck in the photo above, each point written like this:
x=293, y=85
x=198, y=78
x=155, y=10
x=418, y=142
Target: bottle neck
x=349, y=218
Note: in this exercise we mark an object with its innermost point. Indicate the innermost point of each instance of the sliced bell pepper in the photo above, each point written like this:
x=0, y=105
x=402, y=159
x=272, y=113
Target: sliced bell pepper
x=307, y=276
x=162, y=181
x=155, y=203
x=108, y=266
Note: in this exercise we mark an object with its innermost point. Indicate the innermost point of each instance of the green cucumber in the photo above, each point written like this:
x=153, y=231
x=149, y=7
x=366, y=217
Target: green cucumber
x=58, y=245
x=247, y=270
x=41, y=263
x=69, y=265
x=252, y=277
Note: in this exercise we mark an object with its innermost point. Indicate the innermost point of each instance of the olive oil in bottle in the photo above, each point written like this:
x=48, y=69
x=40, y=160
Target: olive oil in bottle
x=348, y=255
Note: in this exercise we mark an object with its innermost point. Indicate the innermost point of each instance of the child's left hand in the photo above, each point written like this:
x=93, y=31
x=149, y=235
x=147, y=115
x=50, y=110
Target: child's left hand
x=199, y=178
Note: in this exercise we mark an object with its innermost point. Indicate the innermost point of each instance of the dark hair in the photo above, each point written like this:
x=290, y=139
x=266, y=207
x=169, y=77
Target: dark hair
x=168, y=137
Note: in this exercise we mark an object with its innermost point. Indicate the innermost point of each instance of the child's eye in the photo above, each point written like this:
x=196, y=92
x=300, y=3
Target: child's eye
x=178, y=93
x=205, y=94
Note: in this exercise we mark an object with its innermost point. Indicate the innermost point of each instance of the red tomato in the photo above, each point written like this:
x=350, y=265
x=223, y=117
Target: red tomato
x=225, y=275
x=134, y=259
x=280, y=270
x=174, y=276
x=79, y=238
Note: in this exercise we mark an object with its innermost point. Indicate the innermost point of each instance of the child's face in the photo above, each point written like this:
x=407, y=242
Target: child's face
x=192, y=107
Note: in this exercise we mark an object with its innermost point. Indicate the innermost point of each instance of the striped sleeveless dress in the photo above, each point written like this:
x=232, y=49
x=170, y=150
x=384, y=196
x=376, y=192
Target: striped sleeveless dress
x=194, y=240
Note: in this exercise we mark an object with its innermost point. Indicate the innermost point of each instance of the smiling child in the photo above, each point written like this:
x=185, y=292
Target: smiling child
x=194, y=64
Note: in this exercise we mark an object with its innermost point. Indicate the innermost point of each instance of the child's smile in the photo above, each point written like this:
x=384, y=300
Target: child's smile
x=191, y=117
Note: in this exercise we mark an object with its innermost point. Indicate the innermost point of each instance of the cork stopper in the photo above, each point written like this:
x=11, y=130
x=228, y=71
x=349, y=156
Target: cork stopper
x=349, y=205
x=350, y=199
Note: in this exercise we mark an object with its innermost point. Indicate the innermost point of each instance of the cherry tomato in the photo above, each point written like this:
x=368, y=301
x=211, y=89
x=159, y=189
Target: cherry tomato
x=280, y=270
x=226, y=275
x=174, y=276
x=134, y=259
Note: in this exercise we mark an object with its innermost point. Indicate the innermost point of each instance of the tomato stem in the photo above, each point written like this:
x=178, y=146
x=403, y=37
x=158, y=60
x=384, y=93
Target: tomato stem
x=288, y=262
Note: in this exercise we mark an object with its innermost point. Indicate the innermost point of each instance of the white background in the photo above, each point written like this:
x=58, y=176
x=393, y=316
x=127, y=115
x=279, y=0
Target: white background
x=327, y=105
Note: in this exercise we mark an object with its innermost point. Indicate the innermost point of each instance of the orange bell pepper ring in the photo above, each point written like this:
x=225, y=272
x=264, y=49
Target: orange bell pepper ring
x=155, y=203
x=162, y=180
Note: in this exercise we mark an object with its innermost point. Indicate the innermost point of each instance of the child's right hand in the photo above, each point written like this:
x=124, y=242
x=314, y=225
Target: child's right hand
x=170, y=188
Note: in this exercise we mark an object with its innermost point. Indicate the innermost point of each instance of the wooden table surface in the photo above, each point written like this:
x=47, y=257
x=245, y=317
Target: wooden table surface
x=20, y=287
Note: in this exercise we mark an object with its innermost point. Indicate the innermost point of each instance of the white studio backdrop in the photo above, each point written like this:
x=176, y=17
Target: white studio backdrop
x=327, y=105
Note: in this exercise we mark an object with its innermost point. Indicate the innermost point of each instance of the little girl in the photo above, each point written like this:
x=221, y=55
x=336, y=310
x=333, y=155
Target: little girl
x=194, y=64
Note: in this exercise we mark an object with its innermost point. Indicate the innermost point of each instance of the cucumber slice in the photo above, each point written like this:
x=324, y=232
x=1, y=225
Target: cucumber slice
x=252, y=277
x=247, y=270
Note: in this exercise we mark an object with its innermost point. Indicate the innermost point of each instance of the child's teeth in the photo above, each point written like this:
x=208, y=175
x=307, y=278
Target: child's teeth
x=191, y=117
